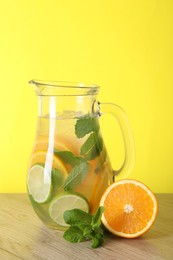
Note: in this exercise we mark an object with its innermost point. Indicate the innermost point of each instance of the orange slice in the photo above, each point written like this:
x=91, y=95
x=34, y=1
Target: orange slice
x=130, y=208
x=41, y=157
x=96, y=182
x=89, y=184
x=60, y=143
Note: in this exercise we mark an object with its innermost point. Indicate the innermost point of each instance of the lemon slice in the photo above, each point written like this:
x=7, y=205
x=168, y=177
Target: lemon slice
x=65, y=202
x=39, y=183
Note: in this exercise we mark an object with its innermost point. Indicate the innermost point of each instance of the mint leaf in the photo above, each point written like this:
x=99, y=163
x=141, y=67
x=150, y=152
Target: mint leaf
x=96, y=219
x=68, y=157
x=86, y=125
x=92, y=146
x=76, y=176
x=74, y=235
x=76, y=216
x=84, y=227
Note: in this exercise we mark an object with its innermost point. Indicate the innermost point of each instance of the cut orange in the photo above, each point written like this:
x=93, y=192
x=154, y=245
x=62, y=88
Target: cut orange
x=130, y=208
x=96, y=182
x=90, y=183
x=41, y=157
x=60, y=143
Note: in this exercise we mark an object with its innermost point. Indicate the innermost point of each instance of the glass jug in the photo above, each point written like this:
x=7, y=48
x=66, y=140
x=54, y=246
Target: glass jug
x=69, y=165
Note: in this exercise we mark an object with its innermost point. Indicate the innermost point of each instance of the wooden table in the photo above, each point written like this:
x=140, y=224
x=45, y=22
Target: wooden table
x=23, y=236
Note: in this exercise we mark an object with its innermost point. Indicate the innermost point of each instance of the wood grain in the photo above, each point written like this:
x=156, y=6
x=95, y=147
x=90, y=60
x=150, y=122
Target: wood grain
x=23, y=236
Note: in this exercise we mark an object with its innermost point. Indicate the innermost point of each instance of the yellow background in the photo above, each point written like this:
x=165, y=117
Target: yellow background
x=124, y=46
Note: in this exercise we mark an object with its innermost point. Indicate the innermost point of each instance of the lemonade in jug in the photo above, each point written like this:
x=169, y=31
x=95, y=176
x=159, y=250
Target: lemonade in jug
x=69, y=165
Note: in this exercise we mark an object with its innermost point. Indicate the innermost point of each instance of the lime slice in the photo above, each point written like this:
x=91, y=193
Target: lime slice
x=66, y=202
x=39, y=183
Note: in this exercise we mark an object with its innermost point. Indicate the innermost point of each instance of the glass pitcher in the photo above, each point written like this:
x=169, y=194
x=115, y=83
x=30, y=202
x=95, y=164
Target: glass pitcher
x=69, y=165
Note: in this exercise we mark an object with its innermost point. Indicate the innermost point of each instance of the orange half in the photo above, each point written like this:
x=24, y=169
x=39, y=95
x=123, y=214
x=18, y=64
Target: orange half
x=130, y=208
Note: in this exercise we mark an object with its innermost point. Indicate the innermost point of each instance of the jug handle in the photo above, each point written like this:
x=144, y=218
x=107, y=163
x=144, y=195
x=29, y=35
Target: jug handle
x=129, y=146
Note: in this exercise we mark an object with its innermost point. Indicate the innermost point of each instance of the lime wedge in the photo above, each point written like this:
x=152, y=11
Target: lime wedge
x=65, y=202
x=39, y=183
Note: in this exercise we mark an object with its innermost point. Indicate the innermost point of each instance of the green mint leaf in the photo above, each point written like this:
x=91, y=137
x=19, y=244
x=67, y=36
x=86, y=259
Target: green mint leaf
x=77, y=217
x=76, y=176
x=92, y=146
x=68, y=157
x=86, y=125
x=74, y=235
x=96, y=219
x=97, y=240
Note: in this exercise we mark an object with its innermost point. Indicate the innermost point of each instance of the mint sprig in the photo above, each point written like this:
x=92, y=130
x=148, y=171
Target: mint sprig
x=84, y=226
x=90, y=149
x=93, y=145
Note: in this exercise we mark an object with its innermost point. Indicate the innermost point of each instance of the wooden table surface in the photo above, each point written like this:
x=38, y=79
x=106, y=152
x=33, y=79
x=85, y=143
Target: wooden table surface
x=23, y=236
